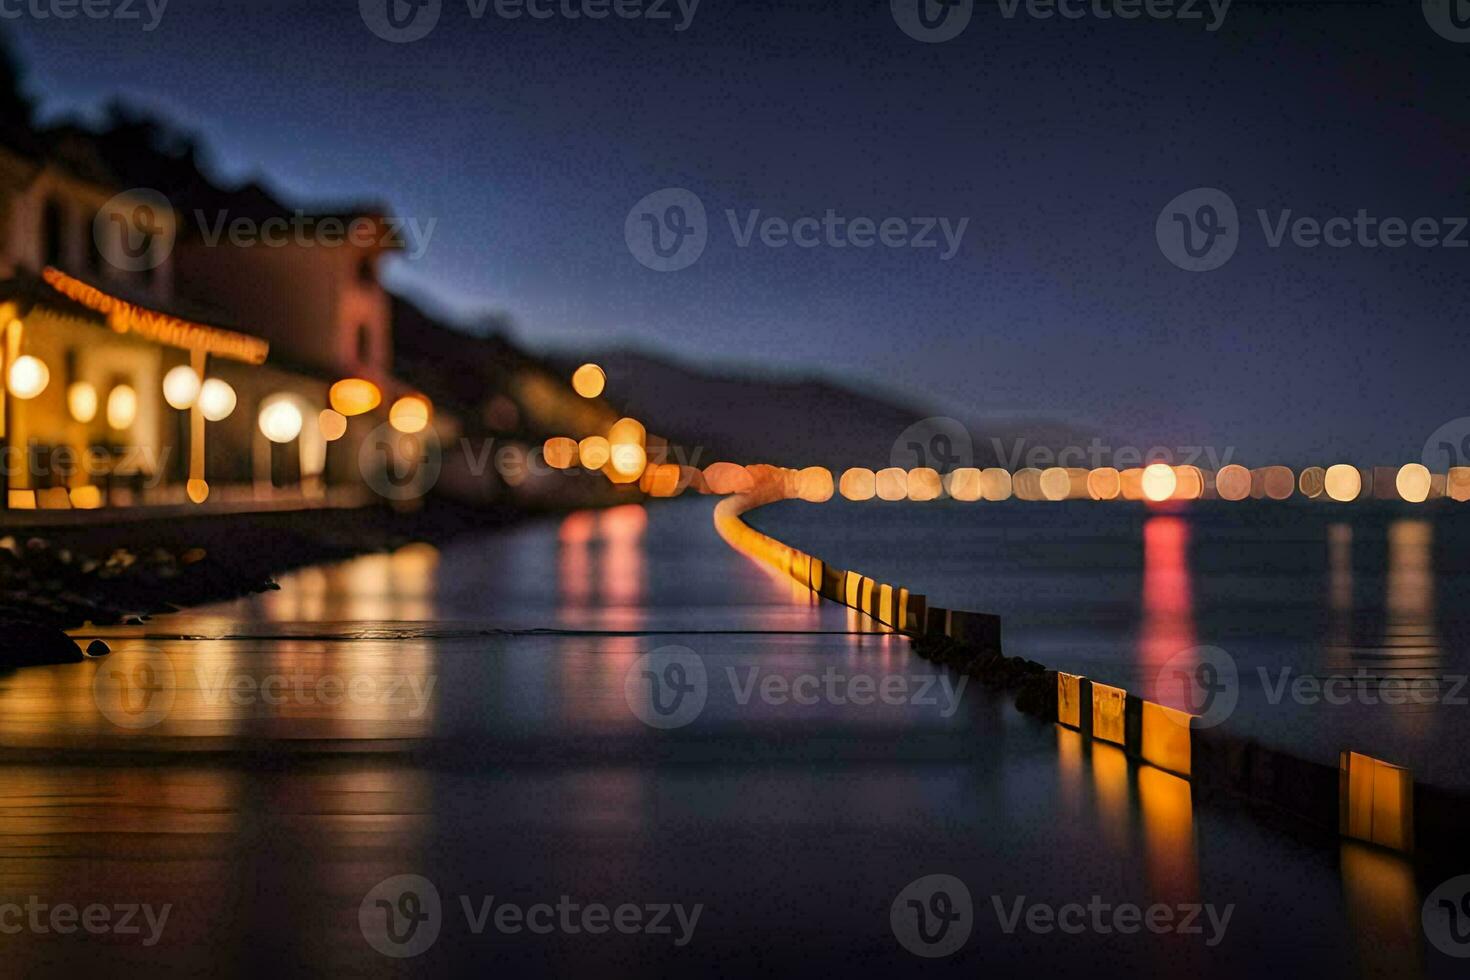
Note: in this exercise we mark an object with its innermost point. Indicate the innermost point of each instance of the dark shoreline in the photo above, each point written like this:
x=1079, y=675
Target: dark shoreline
x=54, y=579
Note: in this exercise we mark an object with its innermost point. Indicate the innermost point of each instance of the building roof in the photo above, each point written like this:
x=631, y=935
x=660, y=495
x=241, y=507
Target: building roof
x=74, y=297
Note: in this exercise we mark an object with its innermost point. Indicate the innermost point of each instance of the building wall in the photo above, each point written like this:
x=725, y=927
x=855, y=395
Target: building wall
x=307, y=301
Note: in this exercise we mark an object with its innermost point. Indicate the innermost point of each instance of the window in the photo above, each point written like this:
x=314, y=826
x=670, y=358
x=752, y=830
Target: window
x=52, y=229
x=364, y=344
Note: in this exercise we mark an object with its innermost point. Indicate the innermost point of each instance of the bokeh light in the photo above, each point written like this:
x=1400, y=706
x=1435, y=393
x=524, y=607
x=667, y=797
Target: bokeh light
x=181, y=387
x=589, y=380
x=1158, y=482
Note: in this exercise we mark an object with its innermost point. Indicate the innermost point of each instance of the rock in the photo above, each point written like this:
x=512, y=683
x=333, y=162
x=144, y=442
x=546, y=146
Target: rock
x=28, y=645
x=98, y=648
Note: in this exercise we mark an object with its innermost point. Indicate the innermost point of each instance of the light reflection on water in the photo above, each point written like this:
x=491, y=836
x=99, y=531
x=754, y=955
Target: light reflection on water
x=792, y=803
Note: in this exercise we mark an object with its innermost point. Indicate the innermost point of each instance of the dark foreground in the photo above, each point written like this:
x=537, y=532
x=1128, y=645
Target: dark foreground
x=472, y=715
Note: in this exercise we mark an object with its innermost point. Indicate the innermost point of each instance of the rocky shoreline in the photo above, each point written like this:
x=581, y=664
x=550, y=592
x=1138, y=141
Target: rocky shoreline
x=57, y=579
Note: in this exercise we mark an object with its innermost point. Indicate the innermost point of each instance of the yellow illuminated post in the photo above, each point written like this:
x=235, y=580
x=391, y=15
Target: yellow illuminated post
x=1376, y=801
x=197, y=488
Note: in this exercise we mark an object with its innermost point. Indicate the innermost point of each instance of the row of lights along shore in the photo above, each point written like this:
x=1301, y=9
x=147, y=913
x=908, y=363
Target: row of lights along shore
x=622, y=456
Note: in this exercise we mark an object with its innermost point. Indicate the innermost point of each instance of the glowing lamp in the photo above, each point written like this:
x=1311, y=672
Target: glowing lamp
x=628, y=459
x=280, y=421
x=1055, y=483
x=1413, y=482
x=409, y=414
x=1233, y=482
x=122, y=407
x=594, y=452
x=354, y=396
x=1104, y=483
x=726, y=478
x=332, y=423
x=181, y=387
x=29, y=376
x=589, y=380
x=963, y=484
x=1159, y=482
x=216, y=400
x=814, y=484
x=81, y=401
x=892, y=484
x=628, y=432
x=560, y=453
x=198, y=491
x=995, y=483
x=924, y=484
x=1343, y=482
x=858, y=483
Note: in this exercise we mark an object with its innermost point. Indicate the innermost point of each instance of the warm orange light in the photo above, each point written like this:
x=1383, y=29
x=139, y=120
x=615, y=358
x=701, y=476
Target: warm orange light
x=892, y=484
x=1189, y=483
x=81, y=400
x=86, y=498
x=122, y=407
x=666, y=480
x=409, y=414
x=280, y=420
x=726, y=478
x=198, y=491
x=627, y=432
x=1055, y=483
x=814, y=484
x=1343, y=482
x=924, y=484
x=594, y=452
x=1457, y=483
x=1026, y=483
x=332, y=423
x=1233, y=482
x=589, y=380
x=1413, y=482
x=628, y=459
x=963, y=484
x=29, y=376
x=858, y=483
x=560, y=452
x=354, y=396
x=1159, y=482
x=216, y=400
x=1104, y=483
x=995, y=484
x=181, y=387
x=1274, y=482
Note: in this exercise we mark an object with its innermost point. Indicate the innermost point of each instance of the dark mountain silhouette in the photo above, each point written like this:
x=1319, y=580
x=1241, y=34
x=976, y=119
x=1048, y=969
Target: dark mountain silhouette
x=788, y=422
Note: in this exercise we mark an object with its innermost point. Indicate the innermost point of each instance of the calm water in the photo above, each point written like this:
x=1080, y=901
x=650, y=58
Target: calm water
x=1351, y=606
x=465, y=716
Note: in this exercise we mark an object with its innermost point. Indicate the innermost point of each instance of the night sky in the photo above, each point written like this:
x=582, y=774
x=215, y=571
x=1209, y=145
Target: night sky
x=1060, y=140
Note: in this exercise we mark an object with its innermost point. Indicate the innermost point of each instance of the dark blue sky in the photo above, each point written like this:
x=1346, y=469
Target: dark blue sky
x=1060, y=141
